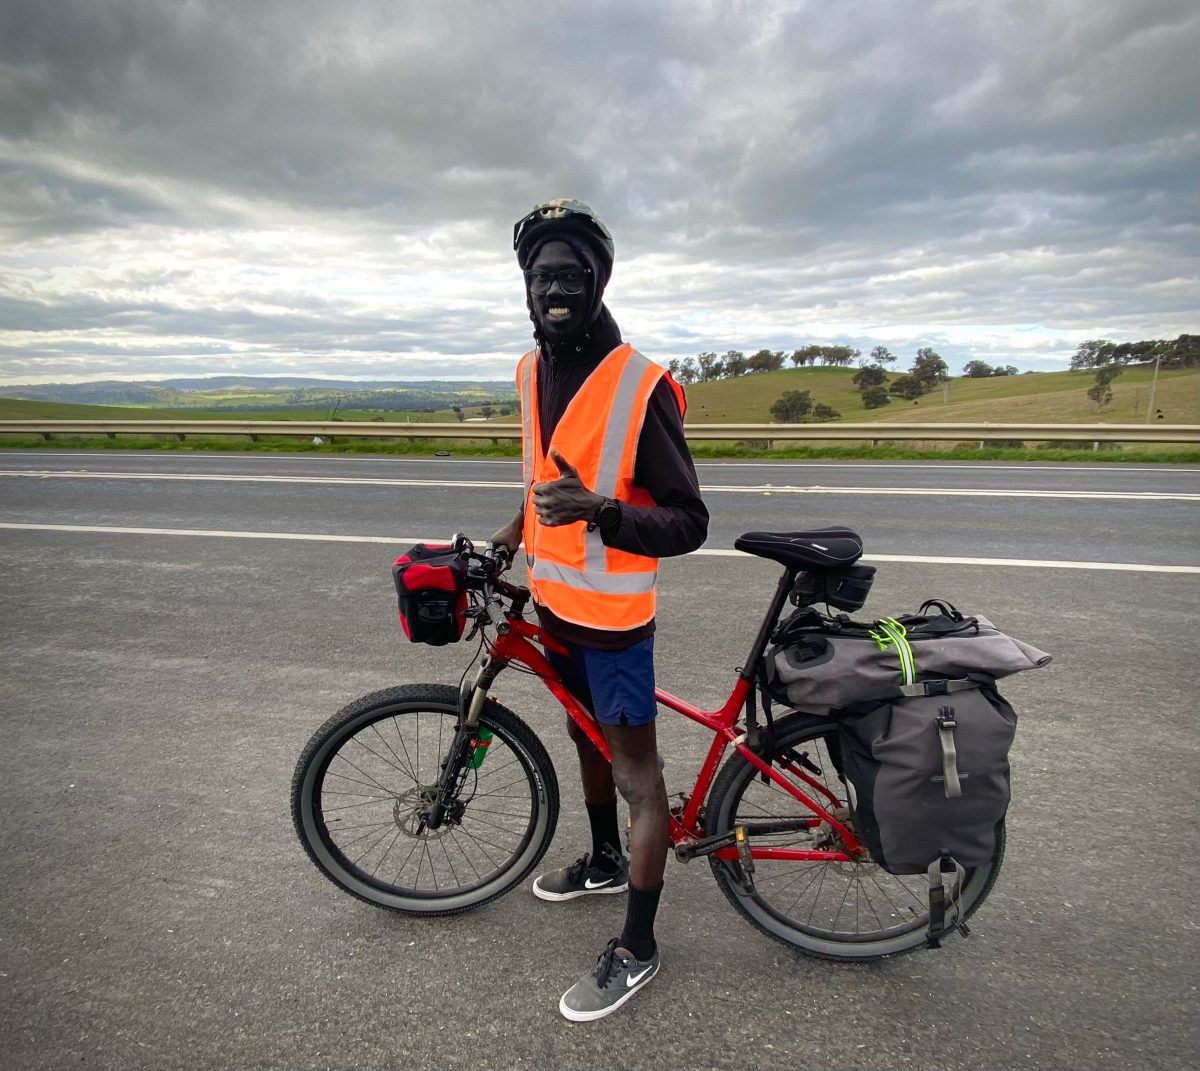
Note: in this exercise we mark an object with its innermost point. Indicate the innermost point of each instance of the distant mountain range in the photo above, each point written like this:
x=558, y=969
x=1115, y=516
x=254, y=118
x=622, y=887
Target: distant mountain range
x=269, y=392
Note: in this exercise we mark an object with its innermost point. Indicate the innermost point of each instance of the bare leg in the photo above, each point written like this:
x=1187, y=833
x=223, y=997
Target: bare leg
x=594, y=769
x=637, y=776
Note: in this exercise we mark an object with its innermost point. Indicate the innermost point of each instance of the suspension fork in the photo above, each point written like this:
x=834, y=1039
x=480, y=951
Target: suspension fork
x=454, y=769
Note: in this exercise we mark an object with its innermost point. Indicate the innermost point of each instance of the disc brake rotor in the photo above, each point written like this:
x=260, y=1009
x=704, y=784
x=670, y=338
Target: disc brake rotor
x=410, y=808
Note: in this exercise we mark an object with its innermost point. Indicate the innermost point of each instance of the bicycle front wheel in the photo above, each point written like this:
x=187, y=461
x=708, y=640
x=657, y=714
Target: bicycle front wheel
x=846, y=911
x=367, y=776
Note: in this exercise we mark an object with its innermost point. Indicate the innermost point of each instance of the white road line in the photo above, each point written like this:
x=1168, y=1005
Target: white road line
x=760, y=489
x=1098, y=469
x=402, y=540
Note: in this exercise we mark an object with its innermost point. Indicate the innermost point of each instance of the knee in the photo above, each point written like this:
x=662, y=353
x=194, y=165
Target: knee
x=581, y=739
x=640, y=783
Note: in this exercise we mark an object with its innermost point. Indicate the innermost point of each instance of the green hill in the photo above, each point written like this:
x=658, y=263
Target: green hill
x=24, y=409
x=1032, y=398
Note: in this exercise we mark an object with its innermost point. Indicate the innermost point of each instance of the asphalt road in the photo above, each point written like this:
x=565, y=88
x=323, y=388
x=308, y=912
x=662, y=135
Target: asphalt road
x=155, y=690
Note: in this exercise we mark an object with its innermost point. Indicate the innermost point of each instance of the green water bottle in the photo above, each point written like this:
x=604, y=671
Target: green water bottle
x=483, y=740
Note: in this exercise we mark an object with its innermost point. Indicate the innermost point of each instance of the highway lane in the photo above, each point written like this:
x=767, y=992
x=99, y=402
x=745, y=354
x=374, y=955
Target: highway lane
x=155, y=692
x=1058, y=513
x=1046, y=476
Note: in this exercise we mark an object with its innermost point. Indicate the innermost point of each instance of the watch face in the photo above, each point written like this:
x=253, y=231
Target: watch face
x=609, y=513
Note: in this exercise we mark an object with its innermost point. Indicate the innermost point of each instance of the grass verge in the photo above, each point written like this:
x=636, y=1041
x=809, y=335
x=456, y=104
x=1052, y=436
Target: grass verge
x=1110, y=453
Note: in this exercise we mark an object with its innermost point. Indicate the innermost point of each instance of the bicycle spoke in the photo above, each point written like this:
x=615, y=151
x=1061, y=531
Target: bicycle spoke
x=354, y=781
x=446, y=853
x=432, y=870
x=383, y=858
x=350, y=806
x=375, y=730
x=378, y=840
x=386, y=762
x=462, y=852
x=494, y=825
x=480, y=844
x=365, y=774
x=404, y=748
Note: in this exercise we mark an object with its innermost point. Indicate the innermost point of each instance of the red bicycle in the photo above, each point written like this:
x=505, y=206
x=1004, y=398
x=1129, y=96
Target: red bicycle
x=430, y=799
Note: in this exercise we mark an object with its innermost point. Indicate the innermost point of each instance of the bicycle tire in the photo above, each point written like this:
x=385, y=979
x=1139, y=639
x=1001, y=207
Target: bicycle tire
x=896, y=906
x=374, y=744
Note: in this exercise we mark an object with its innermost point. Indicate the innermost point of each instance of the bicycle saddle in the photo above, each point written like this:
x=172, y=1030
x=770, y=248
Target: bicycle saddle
x=819, y=548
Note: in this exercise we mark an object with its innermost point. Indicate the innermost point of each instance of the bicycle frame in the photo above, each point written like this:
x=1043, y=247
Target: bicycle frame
x=516, y=644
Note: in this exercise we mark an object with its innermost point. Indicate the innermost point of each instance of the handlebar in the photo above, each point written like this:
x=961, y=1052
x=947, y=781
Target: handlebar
x=483, y=574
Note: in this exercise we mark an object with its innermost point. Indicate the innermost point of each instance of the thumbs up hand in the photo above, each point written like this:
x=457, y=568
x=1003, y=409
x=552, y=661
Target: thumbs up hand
x=565, y=500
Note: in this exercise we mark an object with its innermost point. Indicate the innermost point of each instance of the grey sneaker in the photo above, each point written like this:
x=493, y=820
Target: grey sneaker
x=583, y=879
x=614, y=979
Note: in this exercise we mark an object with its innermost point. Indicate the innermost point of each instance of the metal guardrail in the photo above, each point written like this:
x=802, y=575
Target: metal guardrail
x=1146, y=433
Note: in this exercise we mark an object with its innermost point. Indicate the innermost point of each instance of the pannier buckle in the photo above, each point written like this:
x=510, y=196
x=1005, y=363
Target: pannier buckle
x=937, y=687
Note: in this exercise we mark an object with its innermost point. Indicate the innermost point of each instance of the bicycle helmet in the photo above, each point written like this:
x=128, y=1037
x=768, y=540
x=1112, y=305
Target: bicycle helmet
x=559, y=215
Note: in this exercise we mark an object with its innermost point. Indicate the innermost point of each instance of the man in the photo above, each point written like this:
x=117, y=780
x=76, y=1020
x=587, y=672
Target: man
x=609, y=488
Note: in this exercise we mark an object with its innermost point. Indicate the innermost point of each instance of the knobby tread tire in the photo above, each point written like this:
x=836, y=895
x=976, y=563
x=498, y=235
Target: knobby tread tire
x=412, y=698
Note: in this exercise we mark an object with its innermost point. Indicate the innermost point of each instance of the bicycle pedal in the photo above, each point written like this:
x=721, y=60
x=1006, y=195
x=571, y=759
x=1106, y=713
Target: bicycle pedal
x=743, y=848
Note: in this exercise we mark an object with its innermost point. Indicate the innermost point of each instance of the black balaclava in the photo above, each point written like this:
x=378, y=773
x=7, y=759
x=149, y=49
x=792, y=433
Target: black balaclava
x=600, y=334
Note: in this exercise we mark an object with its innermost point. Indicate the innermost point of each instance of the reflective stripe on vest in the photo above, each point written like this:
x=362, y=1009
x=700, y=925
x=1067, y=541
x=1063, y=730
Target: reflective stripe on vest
x=571, y=570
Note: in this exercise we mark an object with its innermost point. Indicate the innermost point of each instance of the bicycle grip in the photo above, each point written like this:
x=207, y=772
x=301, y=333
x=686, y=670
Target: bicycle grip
x=496, y=616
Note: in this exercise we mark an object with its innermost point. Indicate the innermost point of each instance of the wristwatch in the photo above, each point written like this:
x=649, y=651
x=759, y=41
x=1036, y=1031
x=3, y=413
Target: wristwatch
x=607, y=515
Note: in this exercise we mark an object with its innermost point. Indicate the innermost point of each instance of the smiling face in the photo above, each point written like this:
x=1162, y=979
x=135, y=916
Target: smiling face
x=559, y=314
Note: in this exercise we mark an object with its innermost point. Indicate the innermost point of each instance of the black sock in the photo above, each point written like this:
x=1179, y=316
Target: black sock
x=640, y=909
x=603, y=819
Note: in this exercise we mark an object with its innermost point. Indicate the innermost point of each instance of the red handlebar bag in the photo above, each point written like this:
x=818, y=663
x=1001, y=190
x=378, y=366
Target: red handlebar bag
x=431, y=583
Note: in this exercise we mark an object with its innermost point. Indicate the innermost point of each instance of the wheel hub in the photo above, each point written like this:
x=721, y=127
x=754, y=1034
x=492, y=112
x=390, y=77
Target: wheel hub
x=411, y=808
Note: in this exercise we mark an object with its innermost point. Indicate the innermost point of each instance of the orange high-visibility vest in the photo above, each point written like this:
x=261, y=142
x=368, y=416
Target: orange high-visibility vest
x=571, y=571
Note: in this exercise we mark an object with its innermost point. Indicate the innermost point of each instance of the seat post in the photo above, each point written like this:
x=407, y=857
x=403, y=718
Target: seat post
x=786, y=582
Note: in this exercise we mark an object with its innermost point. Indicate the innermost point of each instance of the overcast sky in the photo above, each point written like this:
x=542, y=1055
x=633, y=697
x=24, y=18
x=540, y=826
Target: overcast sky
x=315, y=188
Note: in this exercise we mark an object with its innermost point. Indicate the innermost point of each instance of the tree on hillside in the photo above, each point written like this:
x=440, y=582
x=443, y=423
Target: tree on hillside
x=765, y=361
x=805, y=355
x=906, y=387
x=882, y=355
x=1101, y=391
x=487, y=412
x=1006, y=370
x=792, y=406
x=711, y=367
x=870, y=375
x=838, y=356
x=735, y=364
x=978, y=369
x=1182, y=352
x=823, y=412
x=1091, y=354
x=874, y=397
x=457, y=410
x=929, y=369
x=682, y=371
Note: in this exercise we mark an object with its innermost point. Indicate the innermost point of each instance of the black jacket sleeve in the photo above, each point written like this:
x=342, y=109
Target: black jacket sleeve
x=678, y=522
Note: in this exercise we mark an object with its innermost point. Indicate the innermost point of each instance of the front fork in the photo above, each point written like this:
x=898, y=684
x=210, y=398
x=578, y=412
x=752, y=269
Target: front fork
x=458, y=759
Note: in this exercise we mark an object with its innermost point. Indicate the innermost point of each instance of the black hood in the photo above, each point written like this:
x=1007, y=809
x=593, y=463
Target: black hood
x=600, y=334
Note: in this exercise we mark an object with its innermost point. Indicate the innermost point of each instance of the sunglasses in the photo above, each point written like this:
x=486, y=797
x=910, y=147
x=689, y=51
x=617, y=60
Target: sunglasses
x=570, y=280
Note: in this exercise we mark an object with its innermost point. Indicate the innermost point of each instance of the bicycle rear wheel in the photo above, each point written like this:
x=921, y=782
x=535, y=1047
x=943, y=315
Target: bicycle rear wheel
x=846, y=911
x=367, y=775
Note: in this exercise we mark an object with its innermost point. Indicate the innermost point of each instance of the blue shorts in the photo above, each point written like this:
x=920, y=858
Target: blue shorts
x=618, y=686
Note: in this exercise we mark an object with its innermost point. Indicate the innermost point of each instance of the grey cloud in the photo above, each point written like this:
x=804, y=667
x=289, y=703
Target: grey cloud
x=808, y=161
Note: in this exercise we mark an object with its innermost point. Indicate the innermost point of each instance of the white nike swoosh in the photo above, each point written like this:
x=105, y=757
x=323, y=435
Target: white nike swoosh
x=589, y=884
x=633, y=979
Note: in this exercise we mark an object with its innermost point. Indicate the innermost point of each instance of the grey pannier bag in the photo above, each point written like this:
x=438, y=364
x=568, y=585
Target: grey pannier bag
x=924, y=734
x=820, y=663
